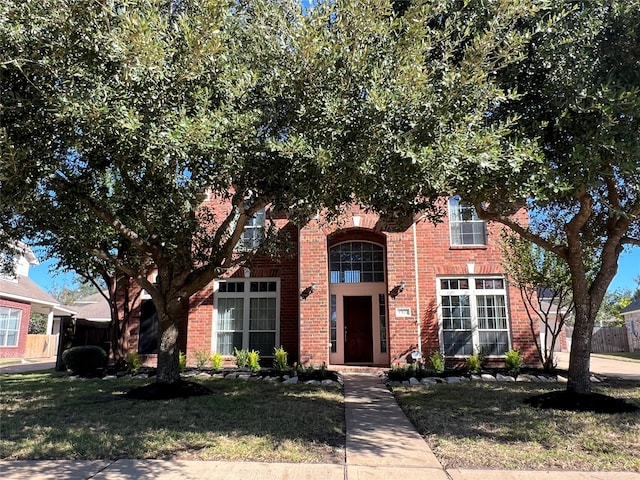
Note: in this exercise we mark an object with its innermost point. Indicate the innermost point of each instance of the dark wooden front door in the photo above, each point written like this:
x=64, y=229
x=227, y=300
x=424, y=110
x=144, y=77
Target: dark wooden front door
x=358, y=332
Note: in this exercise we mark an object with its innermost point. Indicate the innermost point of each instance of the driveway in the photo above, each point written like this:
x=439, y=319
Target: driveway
x=606, y=366
x=31, y=366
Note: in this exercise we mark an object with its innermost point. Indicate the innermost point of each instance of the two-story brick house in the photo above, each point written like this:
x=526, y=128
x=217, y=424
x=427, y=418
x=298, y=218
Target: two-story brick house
x=361, y=291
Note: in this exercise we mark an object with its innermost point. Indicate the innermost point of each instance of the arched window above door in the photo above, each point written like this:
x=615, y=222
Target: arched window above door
x=356, y=262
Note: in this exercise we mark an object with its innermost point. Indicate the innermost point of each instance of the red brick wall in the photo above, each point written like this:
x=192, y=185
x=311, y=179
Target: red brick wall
x=304, y=329
x=17, y=351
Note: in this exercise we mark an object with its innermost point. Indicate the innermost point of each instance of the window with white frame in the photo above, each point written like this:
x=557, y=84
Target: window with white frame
x=473, y=316
x=253, y=233
x=247, y=315
x=9, y=326
x=465, y=226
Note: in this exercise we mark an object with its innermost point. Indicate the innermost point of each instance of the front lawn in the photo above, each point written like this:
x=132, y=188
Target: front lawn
x=486, y=425
x=47, y=416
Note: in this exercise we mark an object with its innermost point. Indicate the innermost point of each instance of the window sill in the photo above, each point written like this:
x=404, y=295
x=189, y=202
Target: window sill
x=468, y=247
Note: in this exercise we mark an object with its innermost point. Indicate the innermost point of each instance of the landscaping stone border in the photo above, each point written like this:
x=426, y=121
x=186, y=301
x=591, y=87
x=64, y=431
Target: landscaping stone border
x=241, y=375
x=485, y=377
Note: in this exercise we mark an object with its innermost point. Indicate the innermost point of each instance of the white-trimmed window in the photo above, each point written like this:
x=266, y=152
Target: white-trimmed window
x=253, y=233
x=247, y=315
x=473, y=316
x=465, y=226
x=9, y=326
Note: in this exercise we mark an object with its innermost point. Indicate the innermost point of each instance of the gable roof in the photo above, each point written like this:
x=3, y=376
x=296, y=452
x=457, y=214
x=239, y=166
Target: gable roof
x=23, y=289
x=93, y=307
x=632, y=307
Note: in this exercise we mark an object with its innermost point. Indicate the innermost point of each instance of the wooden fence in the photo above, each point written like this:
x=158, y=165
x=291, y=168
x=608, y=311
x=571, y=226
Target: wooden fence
x=41, y=346
x=609, y=339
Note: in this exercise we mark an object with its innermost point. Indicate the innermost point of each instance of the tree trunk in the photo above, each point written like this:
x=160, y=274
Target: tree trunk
x=168, y=352
x=579, y=380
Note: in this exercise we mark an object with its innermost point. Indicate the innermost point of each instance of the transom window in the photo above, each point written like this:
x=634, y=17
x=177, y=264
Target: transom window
x=356, y=262
x=9, y=326
x=473, y=314
x=247, y=315
x=465, y=226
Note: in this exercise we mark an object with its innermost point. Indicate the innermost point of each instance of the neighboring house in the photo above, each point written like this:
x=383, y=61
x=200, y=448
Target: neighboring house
x=90, y=325
x=360, y=291
x=631, y=314
x=19, y=297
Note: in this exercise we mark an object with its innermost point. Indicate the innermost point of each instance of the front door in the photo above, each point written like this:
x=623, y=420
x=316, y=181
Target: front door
x=358, y=333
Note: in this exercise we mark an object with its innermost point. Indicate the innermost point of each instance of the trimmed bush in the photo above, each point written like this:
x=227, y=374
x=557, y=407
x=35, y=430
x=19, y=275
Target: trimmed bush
x=217, y=361
x=133, y=362
x=280, y=360
x=85, y=360
x=513, y=362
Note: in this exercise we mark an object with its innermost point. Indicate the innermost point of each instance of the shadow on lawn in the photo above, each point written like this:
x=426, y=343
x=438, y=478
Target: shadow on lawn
x=48, y=417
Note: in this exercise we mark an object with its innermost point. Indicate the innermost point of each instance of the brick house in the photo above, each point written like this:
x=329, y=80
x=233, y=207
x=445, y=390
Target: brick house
x=19, y=297
x=360, y=291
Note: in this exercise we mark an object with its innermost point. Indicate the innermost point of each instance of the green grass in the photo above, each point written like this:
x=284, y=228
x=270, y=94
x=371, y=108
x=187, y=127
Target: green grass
x=624, y=356
x=46, y=416
x=486, y=425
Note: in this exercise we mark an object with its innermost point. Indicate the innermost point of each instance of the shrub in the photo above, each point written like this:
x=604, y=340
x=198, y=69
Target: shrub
x=84, y=360
x=513, y=362
x=242, y=358
x=473, y=364
x=280, y=360
x=202, y=358
x=217, y=361
x=133, y=362
x=436, y=360
x=254, y=360
x=182, y=361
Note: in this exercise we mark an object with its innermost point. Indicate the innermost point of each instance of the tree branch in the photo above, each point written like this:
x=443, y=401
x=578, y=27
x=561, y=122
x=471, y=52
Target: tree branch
x=524, y=232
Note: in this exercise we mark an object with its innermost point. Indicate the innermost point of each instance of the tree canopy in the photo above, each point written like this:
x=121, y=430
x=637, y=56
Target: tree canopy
x=557, y=131
x=120, y=119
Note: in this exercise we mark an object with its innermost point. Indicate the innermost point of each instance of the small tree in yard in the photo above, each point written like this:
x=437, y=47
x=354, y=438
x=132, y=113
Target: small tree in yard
x=544, y=283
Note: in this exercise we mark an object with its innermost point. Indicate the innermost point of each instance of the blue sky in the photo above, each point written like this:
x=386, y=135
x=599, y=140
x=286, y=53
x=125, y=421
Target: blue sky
x=628, y=270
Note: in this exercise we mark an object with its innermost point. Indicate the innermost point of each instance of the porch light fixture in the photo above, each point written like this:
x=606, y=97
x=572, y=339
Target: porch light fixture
x=397, y=290
x=308, y=291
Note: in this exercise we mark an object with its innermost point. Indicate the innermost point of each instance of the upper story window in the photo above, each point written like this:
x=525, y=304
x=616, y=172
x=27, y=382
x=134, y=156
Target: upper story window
x=465, y=226
x=253, y=233
x=356, y=262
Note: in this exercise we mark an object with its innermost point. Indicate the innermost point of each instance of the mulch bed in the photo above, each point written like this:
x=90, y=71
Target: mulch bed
x=569, y=401
x=167, y=391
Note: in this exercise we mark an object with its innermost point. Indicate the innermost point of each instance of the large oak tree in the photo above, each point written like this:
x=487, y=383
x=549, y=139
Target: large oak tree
x=119, y=119
x=546, y=95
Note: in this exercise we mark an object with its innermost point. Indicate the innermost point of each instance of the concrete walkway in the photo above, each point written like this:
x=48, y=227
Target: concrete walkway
x=381, y=444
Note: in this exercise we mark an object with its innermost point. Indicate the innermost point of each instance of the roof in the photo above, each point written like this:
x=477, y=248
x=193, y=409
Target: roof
x=93, y=307
x=632, y=307
x=23, y=289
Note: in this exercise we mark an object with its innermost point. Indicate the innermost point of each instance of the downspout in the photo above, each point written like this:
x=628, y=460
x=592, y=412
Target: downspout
x=417, y=280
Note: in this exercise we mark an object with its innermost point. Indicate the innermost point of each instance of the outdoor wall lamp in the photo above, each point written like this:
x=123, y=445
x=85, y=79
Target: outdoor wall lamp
x=308, y=291
x=398, y=289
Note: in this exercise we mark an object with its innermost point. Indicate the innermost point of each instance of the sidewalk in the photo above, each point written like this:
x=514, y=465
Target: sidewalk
x=381, y=445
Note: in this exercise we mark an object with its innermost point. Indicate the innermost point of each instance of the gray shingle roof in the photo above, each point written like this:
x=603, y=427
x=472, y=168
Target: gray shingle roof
x=632, y=307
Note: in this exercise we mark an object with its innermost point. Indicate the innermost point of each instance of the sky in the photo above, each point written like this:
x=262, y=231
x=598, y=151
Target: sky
x=628, y=270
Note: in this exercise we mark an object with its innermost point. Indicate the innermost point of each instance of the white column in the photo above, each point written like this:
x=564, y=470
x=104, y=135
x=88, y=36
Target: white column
x=50, y=322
